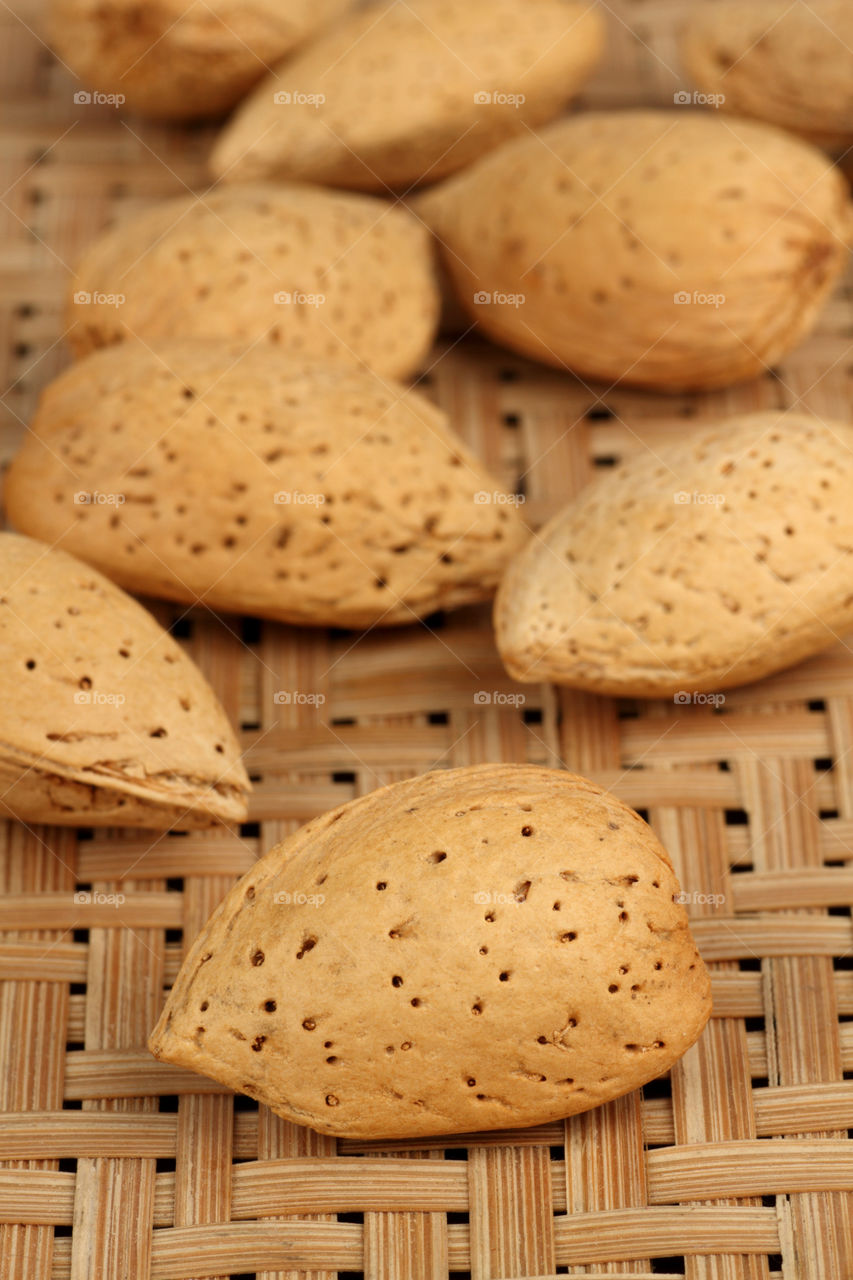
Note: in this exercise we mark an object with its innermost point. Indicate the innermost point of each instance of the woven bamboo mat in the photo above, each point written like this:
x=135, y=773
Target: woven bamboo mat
x=738, y=1167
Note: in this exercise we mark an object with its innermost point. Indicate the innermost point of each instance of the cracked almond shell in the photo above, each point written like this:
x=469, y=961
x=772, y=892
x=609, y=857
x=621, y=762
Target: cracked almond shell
x=353, y=275
x=667, y=249
x=411, y=92
x=790, y=64
x=483, y=948
x=174, y=61
x=262, y=484
x=694, y=566
x=105, y=720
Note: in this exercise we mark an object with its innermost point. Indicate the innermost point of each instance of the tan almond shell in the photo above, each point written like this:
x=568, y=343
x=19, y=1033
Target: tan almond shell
x=174, y=61
x=105, y=720
x=485, y=71
x=262, y=484
x=667, y=249
x=788, y=64
x=358, y=272
x=483, y=948
x=695, y=566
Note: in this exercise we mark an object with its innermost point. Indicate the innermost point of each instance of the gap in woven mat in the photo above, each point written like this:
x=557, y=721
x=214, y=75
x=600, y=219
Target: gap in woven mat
x=838, y=911
x=438, y=717
x=825, y=764
x=600, y=412
x=749, y=964
x=174, y=936
x=826, y=815
x=243, y=1103
x=165, y=1164
x=736, y=817
x=175, y=884
x=343, y=775
x=532, y=715
x=250, y=830
x=755, y=1024
x=181, y=628
x=251, y=631
x=842, y=962
x=669, y=1266
x=511, y=420
x=169, y=1103
x=456, y=1153
x=816, y=704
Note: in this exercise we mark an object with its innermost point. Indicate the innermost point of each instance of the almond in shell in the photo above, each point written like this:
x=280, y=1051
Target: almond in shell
x=483, y=948
x=667, y=249
x=105, y=720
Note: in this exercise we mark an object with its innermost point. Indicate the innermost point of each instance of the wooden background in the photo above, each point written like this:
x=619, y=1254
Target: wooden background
x=113, y=1167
